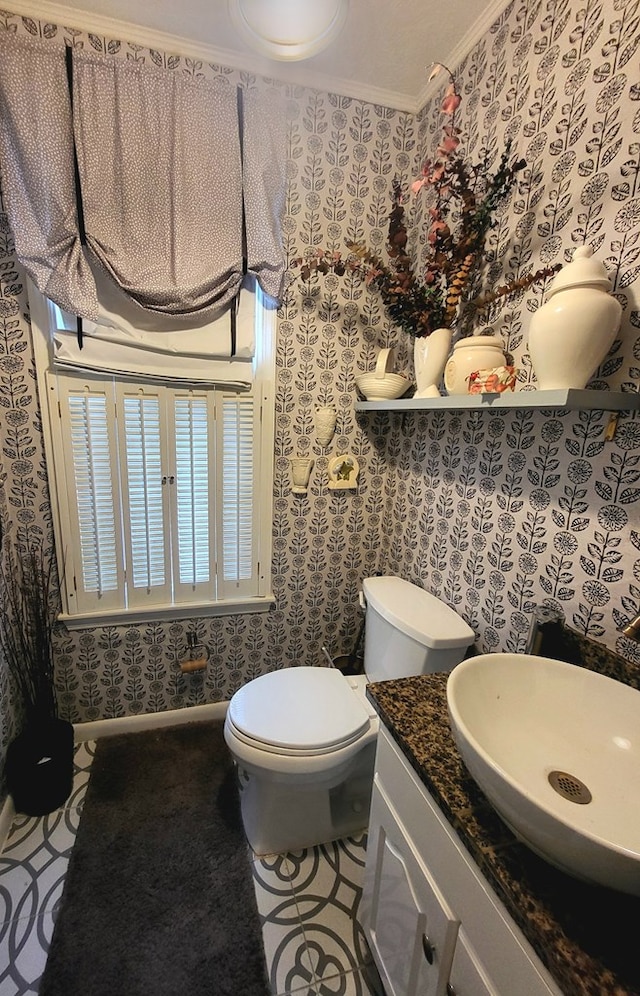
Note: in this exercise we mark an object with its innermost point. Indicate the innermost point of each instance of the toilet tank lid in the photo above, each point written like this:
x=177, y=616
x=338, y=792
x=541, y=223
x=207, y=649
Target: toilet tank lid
x=417, y=613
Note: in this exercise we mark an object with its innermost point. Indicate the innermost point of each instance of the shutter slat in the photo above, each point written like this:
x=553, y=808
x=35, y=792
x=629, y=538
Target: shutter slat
x=145, y=512
x=193, y=467
x=238, y=489
x=92, y=461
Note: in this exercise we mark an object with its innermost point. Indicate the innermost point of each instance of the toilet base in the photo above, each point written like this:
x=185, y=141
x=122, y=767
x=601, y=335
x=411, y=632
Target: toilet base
x=280, y=817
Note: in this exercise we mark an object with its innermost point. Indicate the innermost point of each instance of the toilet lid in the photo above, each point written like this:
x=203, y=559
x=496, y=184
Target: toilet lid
x=301, y=710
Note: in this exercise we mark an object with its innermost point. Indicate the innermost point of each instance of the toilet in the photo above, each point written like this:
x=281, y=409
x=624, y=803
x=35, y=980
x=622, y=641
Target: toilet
x=304, y=738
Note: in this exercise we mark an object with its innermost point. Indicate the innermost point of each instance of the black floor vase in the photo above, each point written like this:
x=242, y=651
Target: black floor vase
x=39, y=767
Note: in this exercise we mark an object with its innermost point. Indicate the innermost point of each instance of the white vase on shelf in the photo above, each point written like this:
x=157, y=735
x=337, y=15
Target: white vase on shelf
x=476, y=352
x=429, y=357
x=572, y=332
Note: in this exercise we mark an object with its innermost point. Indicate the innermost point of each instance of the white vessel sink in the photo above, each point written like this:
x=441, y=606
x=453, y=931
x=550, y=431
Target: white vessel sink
x=525, y=724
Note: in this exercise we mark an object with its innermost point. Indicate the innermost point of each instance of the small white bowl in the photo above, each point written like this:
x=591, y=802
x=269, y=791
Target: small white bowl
x=385, y=388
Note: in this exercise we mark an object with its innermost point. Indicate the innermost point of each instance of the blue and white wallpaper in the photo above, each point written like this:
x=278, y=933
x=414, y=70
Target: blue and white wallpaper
x=493, y=512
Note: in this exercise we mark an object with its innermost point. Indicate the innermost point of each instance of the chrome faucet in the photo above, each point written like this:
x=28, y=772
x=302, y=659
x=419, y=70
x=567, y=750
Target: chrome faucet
x=541, y=616
x=632, y=629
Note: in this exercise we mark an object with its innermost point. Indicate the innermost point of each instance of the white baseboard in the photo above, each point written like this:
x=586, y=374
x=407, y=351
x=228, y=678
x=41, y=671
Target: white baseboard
x=149, y=721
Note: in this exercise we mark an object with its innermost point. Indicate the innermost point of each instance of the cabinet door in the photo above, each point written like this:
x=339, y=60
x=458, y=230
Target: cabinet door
x=508, y=963
x=468, y=977
x=411, y=929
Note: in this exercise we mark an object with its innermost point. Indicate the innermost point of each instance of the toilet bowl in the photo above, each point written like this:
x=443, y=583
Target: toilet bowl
x=303, y=738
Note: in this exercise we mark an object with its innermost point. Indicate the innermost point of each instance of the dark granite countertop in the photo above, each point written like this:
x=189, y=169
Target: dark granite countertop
x=585, y=935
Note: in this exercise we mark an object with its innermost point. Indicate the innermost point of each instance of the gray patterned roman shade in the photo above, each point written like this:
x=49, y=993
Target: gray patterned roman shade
x=161, y=182
x=36, y=169
x=169, y=169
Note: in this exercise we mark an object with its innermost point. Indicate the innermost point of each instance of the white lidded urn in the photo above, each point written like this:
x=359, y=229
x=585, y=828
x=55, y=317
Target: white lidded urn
x=476, y=352
x=572, y=332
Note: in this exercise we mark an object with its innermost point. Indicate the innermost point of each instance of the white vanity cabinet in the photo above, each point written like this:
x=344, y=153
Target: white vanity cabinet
x=434, y=926
x=411, y=929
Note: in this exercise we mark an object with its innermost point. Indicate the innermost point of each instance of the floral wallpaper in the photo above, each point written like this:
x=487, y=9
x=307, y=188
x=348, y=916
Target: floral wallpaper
x=492, y=511
x=496, y=512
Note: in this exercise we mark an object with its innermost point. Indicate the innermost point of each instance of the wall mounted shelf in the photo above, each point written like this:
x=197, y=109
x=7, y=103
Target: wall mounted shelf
x=610, y=401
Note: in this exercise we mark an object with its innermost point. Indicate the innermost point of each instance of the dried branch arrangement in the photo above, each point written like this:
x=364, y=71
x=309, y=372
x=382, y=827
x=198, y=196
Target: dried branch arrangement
x=463, y=198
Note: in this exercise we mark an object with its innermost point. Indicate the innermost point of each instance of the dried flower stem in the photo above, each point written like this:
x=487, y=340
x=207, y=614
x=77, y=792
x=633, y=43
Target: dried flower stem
x=456, y=288
x=482, y=302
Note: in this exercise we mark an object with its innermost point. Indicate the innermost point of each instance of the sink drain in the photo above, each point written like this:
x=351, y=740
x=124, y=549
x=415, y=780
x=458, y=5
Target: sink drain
x=570, y=787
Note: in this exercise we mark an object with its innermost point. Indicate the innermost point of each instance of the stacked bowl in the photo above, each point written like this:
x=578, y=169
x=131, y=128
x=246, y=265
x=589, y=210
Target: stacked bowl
x=381, y=384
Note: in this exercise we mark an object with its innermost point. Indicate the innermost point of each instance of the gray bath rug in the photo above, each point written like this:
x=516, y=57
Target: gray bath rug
x=159, y=896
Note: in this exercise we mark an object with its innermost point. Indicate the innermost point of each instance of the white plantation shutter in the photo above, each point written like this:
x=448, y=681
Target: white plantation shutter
x=194, y=494
x=161, y=489
x=145, y=503
x=91, y=474
x=163, y=485
x=238, y=514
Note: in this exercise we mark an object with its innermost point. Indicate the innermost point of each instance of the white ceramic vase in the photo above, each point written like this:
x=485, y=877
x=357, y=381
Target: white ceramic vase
x=429, y=357
x=300, y=474
x=326, y=419
x=476, y=352
x=571, y=333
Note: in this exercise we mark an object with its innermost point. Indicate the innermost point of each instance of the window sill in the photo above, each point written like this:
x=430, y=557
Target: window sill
x=167, y=613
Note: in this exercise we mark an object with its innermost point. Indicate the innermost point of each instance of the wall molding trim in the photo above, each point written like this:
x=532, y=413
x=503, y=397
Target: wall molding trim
x=468, y=41
x=292, y=73
x=148, y=721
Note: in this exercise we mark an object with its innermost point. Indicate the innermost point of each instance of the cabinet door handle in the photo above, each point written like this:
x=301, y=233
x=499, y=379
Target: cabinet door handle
x=450, y=990
x=428, y=949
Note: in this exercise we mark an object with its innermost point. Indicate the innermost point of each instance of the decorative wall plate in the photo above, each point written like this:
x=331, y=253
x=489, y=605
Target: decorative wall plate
x=343, y=472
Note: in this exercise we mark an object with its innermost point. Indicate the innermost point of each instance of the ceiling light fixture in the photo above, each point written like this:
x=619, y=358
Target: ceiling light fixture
x=288, y=30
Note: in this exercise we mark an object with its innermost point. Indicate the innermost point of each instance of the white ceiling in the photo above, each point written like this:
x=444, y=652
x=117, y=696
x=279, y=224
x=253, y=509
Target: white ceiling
x=381, y=55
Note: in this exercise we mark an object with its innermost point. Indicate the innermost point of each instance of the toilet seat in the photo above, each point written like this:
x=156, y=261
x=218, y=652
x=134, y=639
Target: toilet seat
x=298, y=712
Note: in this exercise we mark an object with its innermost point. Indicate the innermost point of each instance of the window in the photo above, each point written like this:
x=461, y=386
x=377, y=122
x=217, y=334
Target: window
x=162, y=493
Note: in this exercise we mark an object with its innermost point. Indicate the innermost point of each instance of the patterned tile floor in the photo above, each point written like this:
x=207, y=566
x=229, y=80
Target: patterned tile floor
x=308, y=902
x=33, y=864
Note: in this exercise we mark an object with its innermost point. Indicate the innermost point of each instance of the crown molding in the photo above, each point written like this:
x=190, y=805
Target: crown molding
x=464, y=46
x=292, y=73
x=295, y=74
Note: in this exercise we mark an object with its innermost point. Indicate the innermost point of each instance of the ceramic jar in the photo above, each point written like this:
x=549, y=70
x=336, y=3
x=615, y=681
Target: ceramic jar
x=429, y=358
x=571, y=333
x=476, y=352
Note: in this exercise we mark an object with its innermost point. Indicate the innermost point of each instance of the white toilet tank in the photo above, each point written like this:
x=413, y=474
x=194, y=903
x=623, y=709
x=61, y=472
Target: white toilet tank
x=409, y=631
